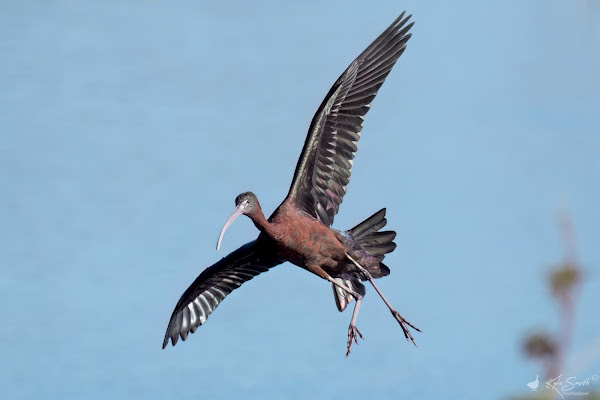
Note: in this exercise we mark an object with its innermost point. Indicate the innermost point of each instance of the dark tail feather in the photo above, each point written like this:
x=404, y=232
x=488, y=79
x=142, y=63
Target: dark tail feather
x=385, y=271
x=377, y=244
x=380, y=250
x=372, y=224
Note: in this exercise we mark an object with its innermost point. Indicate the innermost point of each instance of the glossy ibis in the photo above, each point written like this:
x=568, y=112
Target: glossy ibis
x=299, y=230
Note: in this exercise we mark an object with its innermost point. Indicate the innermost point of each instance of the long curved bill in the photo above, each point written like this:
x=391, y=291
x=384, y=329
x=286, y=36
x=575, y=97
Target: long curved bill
x=236, y=213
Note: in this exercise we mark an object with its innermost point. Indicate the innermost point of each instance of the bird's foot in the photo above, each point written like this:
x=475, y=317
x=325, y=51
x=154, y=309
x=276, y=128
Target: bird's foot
x=352, y=336
x=405, y=324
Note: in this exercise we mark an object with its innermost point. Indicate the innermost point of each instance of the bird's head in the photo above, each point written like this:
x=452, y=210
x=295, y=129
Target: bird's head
x=245, y=204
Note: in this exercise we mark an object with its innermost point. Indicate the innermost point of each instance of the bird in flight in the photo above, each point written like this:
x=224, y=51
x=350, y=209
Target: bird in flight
x=299, y=230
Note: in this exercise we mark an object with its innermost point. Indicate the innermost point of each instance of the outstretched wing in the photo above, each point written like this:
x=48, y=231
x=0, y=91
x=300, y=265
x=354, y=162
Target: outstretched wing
x=323, y=170
x=213, y=284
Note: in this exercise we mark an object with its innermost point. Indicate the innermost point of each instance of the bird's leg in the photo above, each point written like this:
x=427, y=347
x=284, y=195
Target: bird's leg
x=352, y=329
x=403, y=323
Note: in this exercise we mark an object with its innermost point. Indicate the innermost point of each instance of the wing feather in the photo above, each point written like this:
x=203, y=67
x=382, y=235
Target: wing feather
x=214, y=284
x=325, y=165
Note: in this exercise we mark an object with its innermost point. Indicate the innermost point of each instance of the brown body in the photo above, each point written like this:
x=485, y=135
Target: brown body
x=308, y=243
x=304, y=241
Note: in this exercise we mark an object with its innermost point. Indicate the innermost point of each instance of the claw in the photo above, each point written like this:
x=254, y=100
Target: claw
x=403, y=324
x=352, y=336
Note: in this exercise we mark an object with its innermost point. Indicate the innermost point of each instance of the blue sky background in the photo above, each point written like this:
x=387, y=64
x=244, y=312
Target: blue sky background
x=128, y=128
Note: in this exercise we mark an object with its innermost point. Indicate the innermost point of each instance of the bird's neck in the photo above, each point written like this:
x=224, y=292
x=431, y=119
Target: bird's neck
x=261, y=222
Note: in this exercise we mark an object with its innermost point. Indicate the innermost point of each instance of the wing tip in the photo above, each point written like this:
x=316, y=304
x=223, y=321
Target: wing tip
x=169, y=336
x=402, y=28
x=400, y=17
x=400, y=21
x=166, y=339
